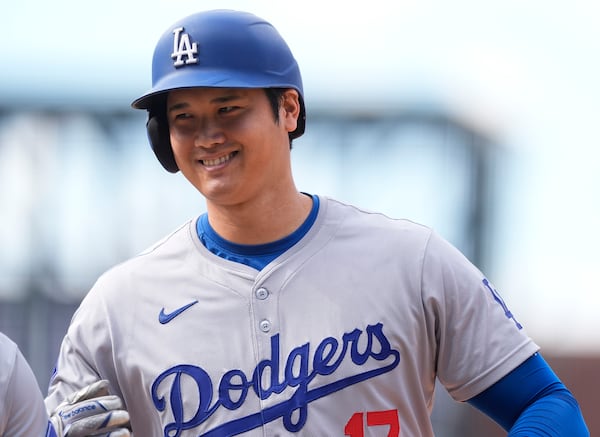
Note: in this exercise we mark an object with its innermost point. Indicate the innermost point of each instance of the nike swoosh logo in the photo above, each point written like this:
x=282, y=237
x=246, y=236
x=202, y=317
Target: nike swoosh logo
x=165, y=318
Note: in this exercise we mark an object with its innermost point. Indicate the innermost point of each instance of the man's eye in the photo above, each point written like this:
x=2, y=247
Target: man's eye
x=227, y=109
x=182, y=116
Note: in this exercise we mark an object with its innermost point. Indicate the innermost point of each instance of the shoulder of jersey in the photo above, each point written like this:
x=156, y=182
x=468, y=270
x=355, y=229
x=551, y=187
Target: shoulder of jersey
x=402, y=222
x=170, y=246
x=166, y=239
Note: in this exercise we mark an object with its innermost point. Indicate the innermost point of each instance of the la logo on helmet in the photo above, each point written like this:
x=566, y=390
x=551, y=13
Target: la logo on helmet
x=183, y=47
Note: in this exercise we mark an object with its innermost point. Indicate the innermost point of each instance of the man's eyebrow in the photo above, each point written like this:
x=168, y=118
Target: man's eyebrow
x=226, y=98
x=177, y=106
x=220, y=99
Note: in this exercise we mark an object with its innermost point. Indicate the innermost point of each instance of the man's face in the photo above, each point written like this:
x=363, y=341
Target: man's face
x=227, y=142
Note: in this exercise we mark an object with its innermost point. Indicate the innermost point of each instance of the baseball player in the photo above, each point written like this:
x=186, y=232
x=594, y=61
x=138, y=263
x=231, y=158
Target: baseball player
x=280, y=312
x=22, y=411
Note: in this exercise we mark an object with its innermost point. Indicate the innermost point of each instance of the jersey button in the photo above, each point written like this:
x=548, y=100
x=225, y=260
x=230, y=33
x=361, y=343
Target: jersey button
x=265, y=325
x=262, y=293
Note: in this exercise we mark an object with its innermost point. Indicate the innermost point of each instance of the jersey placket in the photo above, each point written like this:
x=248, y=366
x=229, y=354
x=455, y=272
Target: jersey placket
x=266, y=331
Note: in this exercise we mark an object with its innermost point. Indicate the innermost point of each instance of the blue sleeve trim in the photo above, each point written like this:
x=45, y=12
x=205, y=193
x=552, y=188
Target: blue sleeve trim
x=532, y=401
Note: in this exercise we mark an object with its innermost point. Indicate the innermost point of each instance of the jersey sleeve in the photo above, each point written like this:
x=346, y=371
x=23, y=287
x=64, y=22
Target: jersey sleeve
x=22, y=410
x=478, y=339
x=86, y=354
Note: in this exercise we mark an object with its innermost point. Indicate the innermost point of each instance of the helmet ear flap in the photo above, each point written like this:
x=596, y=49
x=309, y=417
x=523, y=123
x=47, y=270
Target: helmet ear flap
x=158, y=135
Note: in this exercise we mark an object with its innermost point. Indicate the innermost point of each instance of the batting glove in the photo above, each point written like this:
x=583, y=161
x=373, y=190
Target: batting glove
x=90, y=411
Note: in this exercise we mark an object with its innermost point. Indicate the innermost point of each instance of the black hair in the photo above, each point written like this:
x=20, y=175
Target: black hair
x=275, y=97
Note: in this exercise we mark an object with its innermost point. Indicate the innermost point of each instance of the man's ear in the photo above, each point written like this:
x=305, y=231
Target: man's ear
x=290, y=109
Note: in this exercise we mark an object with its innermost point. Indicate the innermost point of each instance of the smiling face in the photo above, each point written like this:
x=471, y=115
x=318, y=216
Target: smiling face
x=228, y=143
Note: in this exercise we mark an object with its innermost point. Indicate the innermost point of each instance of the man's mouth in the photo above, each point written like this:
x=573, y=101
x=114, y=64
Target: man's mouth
x=217, y=161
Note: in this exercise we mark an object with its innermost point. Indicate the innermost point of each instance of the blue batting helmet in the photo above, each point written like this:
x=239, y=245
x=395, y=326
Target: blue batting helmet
x=219, y=48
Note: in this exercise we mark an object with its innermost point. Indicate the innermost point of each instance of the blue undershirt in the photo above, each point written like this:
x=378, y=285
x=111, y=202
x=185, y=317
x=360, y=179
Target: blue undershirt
x=257, y=256
x=530, y=401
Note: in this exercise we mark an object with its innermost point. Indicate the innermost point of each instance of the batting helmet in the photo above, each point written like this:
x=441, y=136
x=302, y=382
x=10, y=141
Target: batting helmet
x=219, y=48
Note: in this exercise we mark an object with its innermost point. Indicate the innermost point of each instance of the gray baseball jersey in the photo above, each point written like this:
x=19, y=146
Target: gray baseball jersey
x=22, y=410
x=343, y=334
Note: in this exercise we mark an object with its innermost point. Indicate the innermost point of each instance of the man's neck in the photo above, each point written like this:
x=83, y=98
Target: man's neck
x=260, y=224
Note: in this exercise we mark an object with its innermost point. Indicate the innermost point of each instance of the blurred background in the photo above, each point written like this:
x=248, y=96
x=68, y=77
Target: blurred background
x=476, y=118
